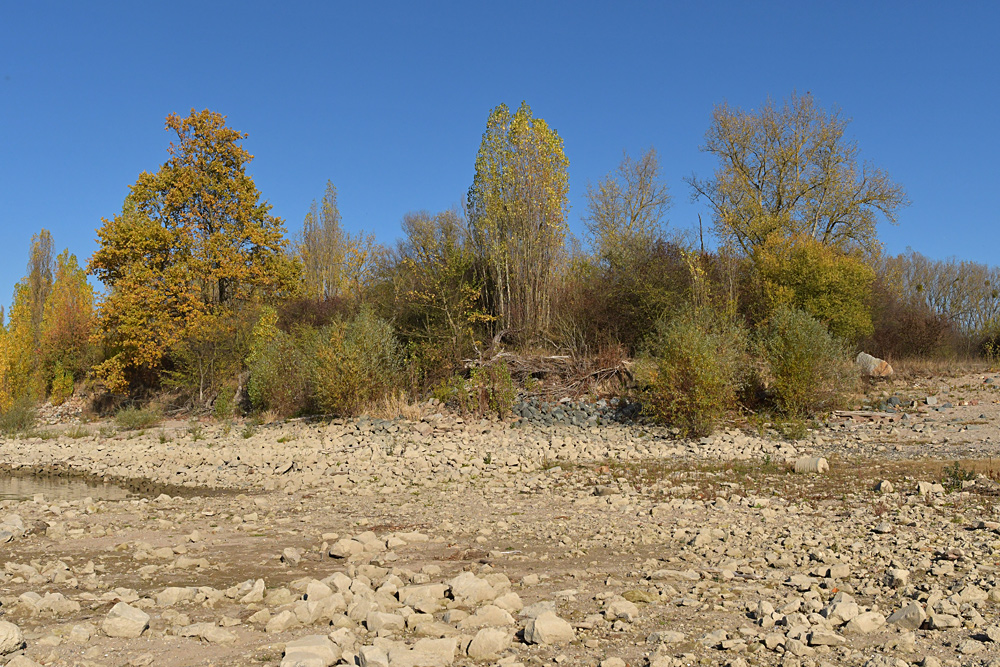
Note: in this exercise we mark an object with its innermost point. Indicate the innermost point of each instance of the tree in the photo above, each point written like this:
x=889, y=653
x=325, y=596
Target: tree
x=438, y=293
x=193, y=241
x=517, y=213
x=321, y=248
x=626, y=211
x=827, y=283
x=792, y=171
x=67, y=322
x=24, y=376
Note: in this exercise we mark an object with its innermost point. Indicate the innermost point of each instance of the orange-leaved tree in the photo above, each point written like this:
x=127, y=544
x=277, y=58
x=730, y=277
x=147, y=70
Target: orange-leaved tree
x=194, y=243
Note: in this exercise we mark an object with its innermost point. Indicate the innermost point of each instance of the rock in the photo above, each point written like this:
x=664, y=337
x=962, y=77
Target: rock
x=925, y=488
x=22, y=661
x=637, y=596
x=810, y=464
x=865, y=623
x=470, y=590
x=82, y=633
x=897, y=578
x=872, y=366
x=885, y=486
x=825, y=638
x=125, y=621
x=547, y=628
x=256, y=593
x=909, y=617
x=488, y=644
x=665, y=637
x=11, y=638
x=618, y=608
x=382, y=623
x=970, y=647
x=311, y=651
x=171, y=596
x=283, y=621
x=372, y=656
x=613, y=662
x=487, y=615
x=210, y=632
x=291, y=556
x=943, y=621
x=993, y=633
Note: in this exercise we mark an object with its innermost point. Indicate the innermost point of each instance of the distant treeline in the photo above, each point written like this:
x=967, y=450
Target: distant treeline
x=207, y=296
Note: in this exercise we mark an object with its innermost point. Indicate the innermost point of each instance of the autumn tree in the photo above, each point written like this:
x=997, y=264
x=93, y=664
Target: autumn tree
x=438, y=294
x=626, y=212
x=830, y=284
x=65, y=351
x=517, y=208
x=194, y=242
x=23, y=375
x=791, y=170
x=321, y=247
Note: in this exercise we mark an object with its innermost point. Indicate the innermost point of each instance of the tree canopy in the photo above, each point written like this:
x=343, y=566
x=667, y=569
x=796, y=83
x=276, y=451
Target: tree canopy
x=193, y=239
x=518, y=205
x=791, y=170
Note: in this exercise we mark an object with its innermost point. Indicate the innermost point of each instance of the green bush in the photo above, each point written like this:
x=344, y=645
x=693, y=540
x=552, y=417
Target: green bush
x=698, y=356
x=279, y=374
x=806, y=369
x=355, y=364
x=134, y=419
x=20, y=418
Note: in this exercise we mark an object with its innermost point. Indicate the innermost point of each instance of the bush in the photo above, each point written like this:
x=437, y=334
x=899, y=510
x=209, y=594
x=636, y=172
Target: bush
x=279, y=374
x=134, y=419
x=698, y=357
x=806, y=368
x=62, y=385
x=356, y=364
x=19, y=418
x=488, y=390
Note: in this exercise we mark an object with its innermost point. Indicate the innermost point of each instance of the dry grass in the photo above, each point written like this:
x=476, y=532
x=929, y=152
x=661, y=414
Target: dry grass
x=909, y=369
x=395, y=405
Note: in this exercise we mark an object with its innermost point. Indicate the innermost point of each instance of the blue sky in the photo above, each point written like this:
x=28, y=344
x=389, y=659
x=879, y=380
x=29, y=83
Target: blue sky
x=389, y=100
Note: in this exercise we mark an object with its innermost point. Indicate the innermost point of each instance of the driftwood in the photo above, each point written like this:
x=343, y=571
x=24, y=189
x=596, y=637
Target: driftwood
x=559, y=375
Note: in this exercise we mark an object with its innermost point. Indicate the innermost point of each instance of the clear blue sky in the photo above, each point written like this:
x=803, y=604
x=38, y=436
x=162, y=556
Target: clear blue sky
x=389, y=100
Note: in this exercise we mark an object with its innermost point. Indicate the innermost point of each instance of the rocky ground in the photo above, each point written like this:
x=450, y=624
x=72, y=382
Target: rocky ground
x=452, y=542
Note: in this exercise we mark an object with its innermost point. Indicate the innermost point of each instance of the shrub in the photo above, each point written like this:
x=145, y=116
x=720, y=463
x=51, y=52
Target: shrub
x=279, y=375
x=62, y=385
x=356, y=364
x=134, y=419
x=807, y=369
x=19, y=418
x=488, y=390
x=698, y=356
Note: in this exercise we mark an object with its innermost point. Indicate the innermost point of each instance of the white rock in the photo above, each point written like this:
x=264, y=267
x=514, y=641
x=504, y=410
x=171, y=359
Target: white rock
x=311, y=651
x=125, y=621
x=11, y=638
x=488, y=644
x=547, y=628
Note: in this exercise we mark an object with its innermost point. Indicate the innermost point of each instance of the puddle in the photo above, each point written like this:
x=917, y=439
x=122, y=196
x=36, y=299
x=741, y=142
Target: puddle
x=58, y=483
x=55, y=489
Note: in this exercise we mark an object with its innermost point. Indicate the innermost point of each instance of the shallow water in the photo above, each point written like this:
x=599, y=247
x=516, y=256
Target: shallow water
x=25, y=487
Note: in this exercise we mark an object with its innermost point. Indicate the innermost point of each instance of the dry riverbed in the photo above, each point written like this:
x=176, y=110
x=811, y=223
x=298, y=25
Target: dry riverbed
x=448, y=542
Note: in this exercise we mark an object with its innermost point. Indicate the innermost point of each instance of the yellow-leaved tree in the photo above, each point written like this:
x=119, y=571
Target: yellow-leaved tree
x=65, y=351
x=791, y=170
x=193, y=248
x=517, y=214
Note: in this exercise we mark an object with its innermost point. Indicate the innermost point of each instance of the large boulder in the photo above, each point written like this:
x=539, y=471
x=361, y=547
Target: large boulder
x=873, y=366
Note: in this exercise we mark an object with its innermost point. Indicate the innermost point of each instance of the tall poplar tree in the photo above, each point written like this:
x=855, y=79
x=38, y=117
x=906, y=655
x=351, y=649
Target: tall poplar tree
x=517, y=208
